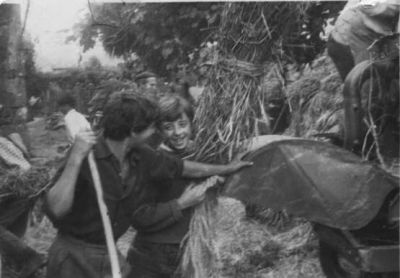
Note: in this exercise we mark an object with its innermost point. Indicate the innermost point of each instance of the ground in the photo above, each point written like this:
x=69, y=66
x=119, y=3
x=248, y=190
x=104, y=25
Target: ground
x=243, y=247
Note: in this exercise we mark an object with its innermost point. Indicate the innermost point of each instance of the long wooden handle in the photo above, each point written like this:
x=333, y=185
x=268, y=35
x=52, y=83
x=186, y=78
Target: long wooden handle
x=112, y=250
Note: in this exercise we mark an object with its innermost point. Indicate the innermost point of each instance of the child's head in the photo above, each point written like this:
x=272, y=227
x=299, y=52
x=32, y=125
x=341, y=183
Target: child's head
x=129, y=113
x=176, y=116
x=65, y=103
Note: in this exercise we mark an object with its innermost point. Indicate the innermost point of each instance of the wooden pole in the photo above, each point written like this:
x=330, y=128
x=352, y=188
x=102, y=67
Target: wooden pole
x=112, y=250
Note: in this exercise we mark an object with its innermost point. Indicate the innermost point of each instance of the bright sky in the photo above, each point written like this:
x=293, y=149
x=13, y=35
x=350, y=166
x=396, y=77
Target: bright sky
x=49, y=23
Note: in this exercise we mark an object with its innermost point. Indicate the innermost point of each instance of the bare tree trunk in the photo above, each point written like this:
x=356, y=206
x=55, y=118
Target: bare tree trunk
x=13, y=89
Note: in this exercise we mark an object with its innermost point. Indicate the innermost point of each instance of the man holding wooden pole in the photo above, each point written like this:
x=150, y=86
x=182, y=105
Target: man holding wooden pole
x=126, y=166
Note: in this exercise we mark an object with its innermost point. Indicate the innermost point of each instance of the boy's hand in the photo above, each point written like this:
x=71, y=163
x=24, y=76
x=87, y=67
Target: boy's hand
x=237, y=162
x=84, y=141
x=195, y=193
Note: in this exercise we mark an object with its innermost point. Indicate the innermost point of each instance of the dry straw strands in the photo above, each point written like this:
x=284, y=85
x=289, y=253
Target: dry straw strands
x=316, y=101
x=231, y=108
x=23, y=184
x=248, y=248
x=198, y=258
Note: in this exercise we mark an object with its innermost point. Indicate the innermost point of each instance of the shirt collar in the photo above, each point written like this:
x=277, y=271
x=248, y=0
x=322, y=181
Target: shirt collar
x=101, y=149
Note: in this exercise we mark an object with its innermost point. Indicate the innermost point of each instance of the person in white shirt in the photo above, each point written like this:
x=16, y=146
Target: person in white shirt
x=359, y=24
x=74, y=121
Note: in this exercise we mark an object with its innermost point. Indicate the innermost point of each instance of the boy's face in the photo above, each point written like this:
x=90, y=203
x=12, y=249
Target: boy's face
x=177, y=133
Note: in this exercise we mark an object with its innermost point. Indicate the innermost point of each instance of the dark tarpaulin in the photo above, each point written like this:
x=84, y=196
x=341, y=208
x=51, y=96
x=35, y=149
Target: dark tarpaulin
x=315, y=180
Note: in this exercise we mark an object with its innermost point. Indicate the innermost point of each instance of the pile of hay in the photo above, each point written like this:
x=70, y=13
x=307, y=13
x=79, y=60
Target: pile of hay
x=246, y=248
x=231, y=108
x=316, y=101
x=23, y=184
x=198, y=258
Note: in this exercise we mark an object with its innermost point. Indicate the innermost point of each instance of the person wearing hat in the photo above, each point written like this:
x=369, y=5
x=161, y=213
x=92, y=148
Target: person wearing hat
x=147, y=83
x=147, y=80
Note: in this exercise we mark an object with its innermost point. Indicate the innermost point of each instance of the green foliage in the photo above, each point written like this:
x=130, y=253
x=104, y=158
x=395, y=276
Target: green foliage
x=161, y=34
x=36, y=83
x=166, y=36
x=83, y=84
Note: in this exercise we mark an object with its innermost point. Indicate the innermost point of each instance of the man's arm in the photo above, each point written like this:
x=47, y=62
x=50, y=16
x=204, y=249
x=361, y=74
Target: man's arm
x=152, y=217
x=60, y=197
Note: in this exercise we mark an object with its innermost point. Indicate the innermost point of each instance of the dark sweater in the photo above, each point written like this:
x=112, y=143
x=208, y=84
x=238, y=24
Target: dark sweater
x=121, y=196
x=159, y=219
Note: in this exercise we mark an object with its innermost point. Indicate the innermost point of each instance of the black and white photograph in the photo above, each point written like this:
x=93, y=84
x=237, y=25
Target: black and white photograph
x=199, y=139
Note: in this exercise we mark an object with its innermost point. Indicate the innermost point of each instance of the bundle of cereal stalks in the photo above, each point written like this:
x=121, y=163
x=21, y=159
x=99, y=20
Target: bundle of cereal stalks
x=198, y=258
x=316, y=101
x=232, y=106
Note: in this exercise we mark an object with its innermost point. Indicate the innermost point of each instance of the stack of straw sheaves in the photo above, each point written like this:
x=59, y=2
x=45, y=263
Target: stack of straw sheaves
x=232, y=106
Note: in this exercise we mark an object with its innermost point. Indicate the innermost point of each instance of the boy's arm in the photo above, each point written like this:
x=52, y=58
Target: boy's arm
x=162, y=166
x=193, y=169
x=154, y=217
x=60, y=197
x=157, y=216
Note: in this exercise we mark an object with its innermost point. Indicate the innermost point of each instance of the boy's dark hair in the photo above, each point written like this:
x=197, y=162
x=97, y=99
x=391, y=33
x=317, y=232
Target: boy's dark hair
x=127, y=112
x=66, y=99
x=172, y=107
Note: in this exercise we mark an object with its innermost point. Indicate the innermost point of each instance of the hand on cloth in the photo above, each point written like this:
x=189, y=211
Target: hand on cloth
x=195, y=193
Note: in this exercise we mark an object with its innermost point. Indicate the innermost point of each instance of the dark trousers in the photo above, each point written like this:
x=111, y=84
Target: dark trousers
x=13, y=223
x=153, y=260
x=73, y=258
x=341, y=56
x=12, y=248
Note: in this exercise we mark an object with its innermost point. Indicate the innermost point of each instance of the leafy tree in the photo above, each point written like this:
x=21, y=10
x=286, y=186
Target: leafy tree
x=167, y=35
x=161, y=34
